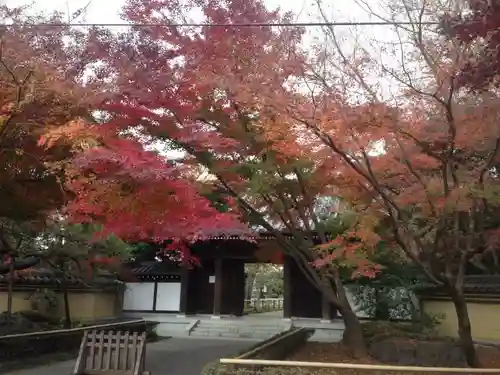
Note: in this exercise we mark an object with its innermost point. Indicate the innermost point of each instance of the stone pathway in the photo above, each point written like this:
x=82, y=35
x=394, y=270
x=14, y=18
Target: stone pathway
x=278, y=314
x=176, y=356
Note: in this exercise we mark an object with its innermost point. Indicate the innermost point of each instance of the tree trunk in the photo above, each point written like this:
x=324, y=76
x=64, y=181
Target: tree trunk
x=464, y=328
x=353, y=336
x=10, y=290
x=67, y=314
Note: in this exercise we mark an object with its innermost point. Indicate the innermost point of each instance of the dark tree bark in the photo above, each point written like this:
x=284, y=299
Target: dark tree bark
x=464, y=327
x=67, y=313
x=10, y=291
x=64, y=289
x=353, y=336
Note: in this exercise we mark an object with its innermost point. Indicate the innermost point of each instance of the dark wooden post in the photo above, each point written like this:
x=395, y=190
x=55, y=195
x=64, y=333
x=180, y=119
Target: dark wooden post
x=155, y=295
x=287, y=288
x=218, y=288
x=183, y=305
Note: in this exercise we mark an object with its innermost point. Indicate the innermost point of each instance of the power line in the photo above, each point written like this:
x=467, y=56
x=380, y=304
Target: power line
x=224, y=25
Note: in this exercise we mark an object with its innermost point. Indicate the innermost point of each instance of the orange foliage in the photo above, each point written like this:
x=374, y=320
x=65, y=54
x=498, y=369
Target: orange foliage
x=40, y=96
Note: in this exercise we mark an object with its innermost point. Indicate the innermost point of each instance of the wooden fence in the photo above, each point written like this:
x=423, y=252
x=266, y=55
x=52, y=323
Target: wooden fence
x=264, y=304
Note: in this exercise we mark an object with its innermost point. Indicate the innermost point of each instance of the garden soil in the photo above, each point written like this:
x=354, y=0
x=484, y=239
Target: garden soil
x=337, y=353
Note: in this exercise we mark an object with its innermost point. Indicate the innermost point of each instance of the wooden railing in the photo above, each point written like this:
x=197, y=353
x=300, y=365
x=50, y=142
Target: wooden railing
x=264, y=304
x=237, y=362
x=34, y=344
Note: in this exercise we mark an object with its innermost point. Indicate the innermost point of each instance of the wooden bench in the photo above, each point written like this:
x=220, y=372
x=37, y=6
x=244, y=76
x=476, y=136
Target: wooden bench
x=111, y=353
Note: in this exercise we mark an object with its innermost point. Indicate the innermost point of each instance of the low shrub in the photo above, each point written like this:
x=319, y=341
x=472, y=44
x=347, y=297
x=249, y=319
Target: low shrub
x=40, y=343
x=151, y=334
x=24, y=322
x=375, y=331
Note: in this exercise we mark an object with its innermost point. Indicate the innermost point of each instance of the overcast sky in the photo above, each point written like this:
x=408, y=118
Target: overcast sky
x=107, y=11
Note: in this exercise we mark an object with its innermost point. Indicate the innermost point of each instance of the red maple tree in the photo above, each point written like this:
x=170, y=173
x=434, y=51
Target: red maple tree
x=138, y=195
x=39, y=75
x=94, y=173
x=213, y=92
x=58, y=158
x=419, y=167
x=419, y=174
x=36, y=98
x=479, y=26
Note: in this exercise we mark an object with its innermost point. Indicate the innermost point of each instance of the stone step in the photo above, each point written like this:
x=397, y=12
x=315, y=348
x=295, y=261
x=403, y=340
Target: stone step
x=244, y=333
x=229, y=329
x=236, y=328
x=239, y=329
x=236, y=334
x=335, y=325
x=249, y=335
x=217, y=322
x=259, y=328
